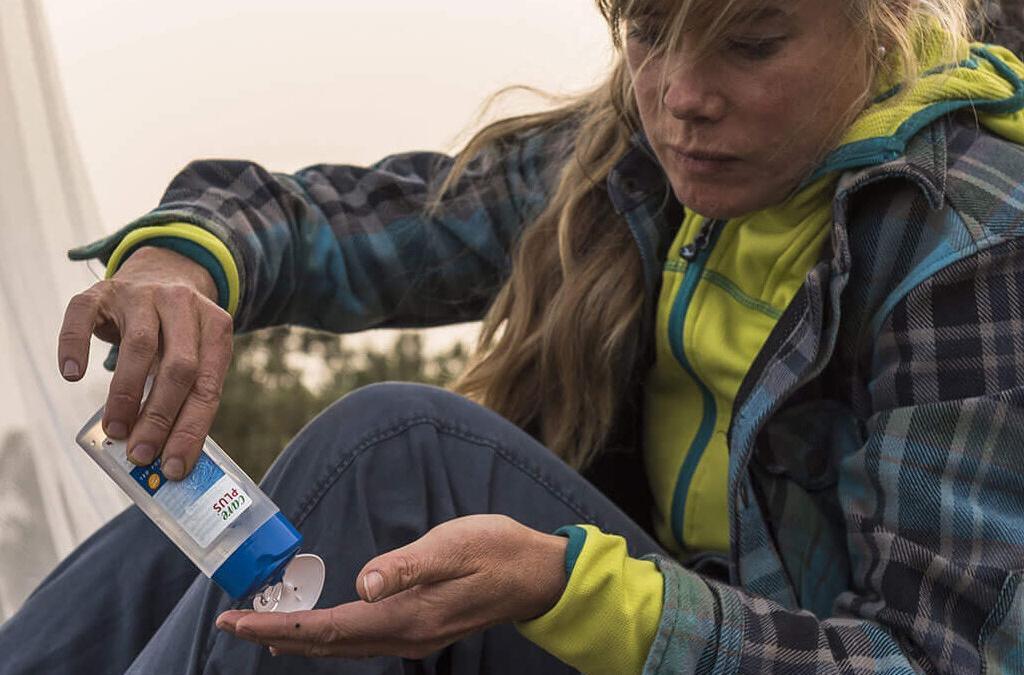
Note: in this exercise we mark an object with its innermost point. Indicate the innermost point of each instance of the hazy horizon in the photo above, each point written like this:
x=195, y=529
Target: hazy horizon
x=291, y=84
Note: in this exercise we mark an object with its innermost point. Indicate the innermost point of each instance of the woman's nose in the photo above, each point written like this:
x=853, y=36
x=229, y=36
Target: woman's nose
x=693, y=93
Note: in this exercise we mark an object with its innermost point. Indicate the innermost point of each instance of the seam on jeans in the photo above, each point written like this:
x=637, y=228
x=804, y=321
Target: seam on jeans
x=399, y=427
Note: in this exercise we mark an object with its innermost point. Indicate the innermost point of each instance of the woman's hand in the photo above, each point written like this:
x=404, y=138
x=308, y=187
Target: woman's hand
x=461, y=577
x=160, y=307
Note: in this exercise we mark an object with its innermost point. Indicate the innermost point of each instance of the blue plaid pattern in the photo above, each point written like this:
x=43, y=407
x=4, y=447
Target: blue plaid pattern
x=877, y=448
x=875, y=467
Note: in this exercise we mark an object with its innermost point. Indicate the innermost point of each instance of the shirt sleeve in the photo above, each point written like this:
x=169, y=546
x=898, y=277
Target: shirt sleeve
x=608, y=614
x=346, y=248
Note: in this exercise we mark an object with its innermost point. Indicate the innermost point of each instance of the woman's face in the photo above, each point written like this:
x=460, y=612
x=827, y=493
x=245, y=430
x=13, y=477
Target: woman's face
x=738, y=130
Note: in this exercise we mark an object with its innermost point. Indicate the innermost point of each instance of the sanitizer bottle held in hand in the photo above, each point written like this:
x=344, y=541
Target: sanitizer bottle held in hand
x=221, y=520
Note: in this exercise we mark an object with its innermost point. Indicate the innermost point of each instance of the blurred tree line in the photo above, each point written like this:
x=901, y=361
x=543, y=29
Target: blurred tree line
x=268, y=398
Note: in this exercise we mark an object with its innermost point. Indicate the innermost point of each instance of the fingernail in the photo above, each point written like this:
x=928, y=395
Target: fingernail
x=273, y=651
x=174, y=468
x=71, y=369
x=373, y=584
x=143, y=454
x=117, y=430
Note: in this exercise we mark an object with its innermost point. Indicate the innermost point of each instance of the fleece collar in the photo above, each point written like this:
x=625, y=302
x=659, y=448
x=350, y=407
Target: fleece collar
x=988, y=82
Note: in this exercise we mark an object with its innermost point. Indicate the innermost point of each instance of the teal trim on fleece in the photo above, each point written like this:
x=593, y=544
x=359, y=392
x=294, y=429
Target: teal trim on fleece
x=676, y=327
x=577, y=538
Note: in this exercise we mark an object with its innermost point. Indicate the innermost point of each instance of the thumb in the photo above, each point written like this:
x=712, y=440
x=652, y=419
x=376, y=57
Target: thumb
x=427, y=560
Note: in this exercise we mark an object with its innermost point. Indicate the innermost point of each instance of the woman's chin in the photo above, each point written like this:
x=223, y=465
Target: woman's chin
x=721, y=201
x=712, y=206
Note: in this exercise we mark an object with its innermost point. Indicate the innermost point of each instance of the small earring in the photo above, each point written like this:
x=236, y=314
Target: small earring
x=882, y=51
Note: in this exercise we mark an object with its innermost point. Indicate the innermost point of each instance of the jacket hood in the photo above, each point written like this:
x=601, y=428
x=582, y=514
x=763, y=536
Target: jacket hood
x=989, y=80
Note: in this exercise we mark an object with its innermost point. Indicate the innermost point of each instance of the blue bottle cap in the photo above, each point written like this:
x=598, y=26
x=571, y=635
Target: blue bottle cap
x=260, y=559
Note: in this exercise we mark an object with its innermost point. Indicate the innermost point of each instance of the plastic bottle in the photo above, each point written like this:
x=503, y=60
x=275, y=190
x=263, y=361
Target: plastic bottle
x=221, y=520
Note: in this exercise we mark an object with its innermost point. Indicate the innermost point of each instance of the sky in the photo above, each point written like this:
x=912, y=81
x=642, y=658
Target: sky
x=150, y=86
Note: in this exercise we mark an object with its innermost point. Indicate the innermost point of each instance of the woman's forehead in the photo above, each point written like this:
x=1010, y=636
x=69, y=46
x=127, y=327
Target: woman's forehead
x=704, y=12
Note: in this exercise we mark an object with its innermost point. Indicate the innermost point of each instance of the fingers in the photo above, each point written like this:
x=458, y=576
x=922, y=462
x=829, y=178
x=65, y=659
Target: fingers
x=156, y=311
x=200, y=406
x=353, y=630
x=75, y=334
x=432, y=558
x=266, y=626
x=167, y=325
x=312, y=633
x=178, y=367
x=139, y=342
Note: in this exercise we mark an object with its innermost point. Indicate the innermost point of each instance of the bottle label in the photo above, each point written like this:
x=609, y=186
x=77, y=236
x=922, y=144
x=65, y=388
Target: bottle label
x=205, y=503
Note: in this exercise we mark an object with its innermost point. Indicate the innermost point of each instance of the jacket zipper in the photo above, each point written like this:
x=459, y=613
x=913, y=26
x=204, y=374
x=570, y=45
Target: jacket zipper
x=696, y=255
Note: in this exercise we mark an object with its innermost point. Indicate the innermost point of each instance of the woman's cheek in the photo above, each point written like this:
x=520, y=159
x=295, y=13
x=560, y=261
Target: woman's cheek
x=645, y=89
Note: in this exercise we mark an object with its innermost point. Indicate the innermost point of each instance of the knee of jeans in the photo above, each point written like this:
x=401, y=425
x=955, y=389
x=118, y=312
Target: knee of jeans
x=379, y=407
x=358, y=418
x=382, y=402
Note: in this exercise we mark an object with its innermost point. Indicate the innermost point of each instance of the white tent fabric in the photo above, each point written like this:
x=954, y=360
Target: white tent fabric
x=51, y=495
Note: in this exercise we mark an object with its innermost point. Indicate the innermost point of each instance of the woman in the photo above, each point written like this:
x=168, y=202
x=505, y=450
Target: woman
x=773, y=260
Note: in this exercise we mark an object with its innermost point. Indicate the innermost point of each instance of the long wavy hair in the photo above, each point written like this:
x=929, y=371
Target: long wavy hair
x=559, y=345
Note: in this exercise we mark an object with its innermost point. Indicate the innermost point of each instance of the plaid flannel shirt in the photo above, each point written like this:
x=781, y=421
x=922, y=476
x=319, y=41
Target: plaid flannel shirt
x=877, y=448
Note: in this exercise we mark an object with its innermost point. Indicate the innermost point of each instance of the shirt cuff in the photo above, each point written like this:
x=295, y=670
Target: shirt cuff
x=608, y=615
x=193, y=242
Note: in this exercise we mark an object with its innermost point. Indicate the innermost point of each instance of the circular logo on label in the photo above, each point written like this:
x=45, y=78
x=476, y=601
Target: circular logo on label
x=154, y=481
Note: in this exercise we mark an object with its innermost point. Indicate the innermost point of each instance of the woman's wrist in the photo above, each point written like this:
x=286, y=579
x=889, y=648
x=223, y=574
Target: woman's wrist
x=548, y=580
x=194, y=243
x=177, y=267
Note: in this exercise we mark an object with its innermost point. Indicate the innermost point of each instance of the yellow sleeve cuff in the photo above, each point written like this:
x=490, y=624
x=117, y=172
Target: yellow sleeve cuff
x=607, y=618
x=188, y=232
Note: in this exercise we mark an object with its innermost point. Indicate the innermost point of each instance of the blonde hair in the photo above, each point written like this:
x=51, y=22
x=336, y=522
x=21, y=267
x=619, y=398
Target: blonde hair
x=560, y=344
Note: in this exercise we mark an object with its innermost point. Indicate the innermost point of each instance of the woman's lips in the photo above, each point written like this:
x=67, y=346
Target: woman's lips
x=702, y=161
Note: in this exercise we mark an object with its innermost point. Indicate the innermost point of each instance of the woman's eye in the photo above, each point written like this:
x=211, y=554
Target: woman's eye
x=644, y=32
x=756, y=49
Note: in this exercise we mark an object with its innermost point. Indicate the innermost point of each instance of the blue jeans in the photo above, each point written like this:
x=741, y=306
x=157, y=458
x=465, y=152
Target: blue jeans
x=372, y=472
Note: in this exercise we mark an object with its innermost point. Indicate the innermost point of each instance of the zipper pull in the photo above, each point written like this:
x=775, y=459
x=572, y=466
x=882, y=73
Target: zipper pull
x=690, y=252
